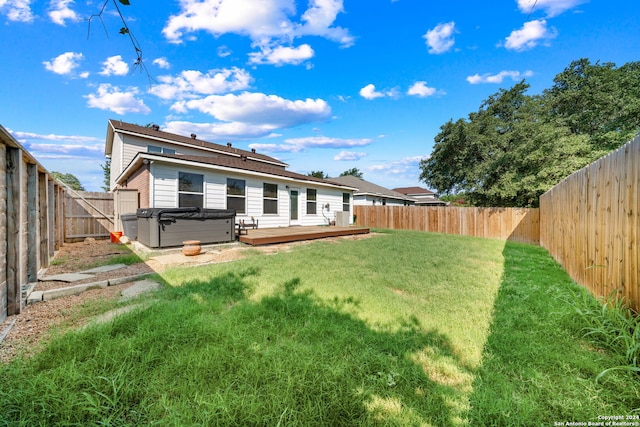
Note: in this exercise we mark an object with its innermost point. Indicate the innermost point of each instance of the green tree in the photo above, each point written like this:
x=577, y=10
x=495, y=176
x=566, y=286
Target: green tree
x=106, y=170
x=318, y=174
x=598, y=100
x=507, y=153
x=517, y=146
x=353, y=172
x=68, y=179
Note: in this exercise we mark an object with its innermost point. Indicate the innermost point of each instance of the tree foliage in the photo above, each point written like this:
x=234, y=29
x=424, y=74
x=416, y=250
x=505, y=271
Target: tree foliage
x=318, y=174
x=69, y=179
x=106, y=170
x=353, y=172
x=517, y=146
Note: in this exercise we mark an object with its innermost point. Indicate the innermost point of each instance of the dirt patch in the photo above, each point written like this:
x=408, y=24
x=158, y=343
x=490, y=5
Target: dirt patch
x=34, y=325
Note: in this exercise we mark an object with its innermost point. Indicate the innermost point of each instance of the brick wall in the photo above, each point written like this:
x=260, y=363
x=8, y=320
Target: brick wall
x=139, y=180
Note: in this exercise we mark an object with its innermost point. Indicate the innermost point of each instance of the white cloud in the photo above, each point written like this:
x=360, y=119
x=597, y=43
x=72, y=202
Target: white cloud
x=111, y=98
x=258, y=108
x=349, y=155
x=254, y=18
x=59, y=11
x=223, y=51
x=369, y=92
x=261, y=20
x=320, y=16
x=296, y=145
x=218, y=130
x=191, y=83
x=52, y=146
x=67, y=148
x=23, y=136
x=63, y=64
x=498, y=78
x=114, y=66
x=17, y=10
x=282, y=55
x=440, y=38
x=421, y=89
x=250, y=115
x=398, y=167
x=550, y=7
x=162, y=63
x=529, y=36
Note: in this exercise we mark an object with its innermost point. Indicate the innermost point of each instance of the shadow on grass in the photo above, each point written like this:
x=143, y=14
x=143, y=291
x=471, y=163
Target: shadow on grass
x=537, y=369
x=206, y=355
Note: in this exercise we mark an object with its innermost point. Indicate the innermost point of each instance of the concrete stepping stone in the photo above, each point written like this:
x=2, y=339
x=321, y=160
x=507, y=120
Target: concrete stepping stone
x=103, y=269
x=66, y=277
x=35, y=296
x=138, y=288
x=110, y=315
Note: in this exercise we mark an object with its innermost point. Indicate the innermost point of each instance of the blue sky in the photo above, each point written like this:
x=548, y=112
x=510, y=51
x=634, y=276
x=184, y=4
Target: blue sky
x=320, y=84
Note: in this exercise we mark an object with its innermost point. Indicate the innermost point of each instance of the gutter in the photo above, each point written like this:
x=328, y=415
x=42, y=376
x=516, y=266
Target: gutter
x=140, y=157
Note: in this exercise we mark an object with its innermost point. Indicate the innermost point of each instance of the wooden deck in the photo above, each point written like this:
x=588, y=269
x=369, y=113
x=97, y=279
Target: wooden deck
x=266, y=236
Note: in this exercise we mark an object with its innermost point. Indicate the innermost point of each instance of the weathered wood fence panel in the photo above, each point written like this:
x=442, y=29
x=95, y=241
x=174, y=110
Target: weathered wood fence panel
x=29, y=227
x=515, y=224
x=590, y=224
x=87, y=214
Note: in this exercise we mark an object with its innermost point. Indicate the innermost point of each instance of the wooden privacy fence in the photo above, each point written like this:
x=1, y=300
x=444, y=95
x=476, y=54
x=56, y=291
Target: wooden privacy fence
x=31, y=221
x=87, y=214
x=589, y=224
x=515, y=224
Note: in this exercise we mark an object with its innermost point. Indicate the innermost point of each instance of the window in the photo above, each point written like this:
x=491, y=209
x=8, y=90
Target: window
x=236, y=198
x=162, y=150
x=190, y=190
x=270, y=198
x=346, y=199
x=312, y=201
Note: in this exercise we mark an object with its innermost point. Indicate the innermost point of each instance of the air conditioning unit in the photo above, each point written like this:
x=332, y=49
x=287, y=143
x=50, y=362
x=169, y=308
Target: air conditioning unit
x=342, y=219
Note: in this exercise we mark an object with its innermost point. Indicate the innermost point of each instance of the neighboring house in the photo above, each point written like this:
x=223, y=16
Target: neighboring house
x=370, y=194
x=171, y=171
x=422, y=196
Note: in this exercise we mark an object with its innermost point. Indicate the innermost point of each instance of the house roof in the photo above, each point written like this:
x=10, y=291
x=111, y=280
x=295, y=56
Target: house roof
x=414, y=191
x=244, y=164
x=171, y=138
x=368, y=188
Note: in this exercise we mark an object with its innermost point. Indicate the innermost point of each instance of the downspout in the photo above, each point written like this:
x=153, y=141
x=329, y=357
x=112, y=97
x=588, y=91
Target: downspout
x=325, y=217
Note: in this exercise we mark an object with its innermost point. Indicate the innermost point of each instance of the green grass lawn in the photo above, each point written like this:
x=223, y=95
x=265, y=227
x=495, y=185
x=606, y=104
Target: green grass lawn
x=401, y=329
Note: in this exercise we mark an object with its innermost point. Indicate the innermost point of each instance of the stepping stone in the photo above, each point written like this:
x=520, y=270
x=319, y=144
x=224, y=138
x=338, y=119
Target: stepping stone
x=110, y=315
x=35, y=296
x=67, y=277
x=104, y=268
x=138, y=288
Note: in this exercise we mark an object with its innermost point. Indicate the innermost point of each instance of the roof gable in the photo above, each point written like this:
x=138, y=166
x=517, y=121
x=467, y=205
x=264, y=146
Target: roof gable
x=154, y=133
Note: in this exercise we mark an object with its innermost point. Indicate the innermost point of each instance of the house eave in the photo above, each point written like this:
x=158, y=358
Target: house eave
x=384, y=196
x=141, y=157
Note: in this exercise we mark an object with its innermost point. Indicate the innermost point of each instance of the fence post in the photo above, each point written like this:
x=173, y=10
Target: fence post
x=14, y=170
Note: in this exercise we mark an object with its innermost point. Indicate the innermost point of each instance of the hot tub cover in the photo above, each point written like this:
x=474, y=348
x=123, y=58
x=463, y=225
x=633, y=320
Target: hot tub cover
x=171, y=214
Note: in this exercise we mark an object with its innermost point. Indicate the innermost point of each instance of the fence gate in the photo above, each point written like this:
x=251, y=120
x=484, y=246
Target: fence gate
x=87, y=214
x=125, y=202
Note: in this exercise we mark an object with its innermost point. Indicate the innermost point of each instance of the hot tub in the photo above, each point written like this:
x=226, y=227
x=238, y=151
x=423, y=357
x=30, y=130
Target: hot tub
x=163, y=228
